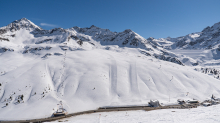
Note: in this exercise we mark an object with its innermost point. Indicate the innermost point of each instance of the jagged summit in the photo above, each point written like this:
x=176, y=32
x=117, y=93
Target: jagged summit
x=150, y=38
x=217, y=25
x=22, y=19
x=206, y=29
x=128, y=30
x=22, y=23
x=93, y=26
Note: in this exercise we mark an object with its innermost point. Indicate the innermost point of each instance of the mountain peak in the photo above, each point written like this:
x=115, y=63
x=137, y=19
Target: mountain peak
x=22, y=23
x=23, y=19
x=26, y=22
x=127, y=31
x=93, y=26
x=150, y=38
x=206, y=29
x=217, y=24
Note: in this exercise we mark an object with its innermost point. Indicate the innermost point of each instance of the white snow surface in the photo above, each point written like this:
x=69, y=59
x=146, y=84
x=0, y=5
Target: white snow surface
x=195, y=115
x=40, y=68
x=206, y=58
x=87, y=78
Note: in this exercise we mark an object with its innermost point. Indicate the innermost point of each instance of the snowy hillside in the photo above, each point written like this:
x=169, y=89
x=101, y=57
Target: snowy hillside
x=87, y=68
x=86, y=78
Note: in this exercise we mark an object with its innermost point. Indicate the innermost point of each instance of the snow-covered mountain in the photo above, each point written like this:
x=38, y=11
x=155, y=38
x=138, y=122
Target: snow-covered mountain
x=209, y=38
x=19, y=24
x=207, y=42
x=33, y=34
x=87, y=68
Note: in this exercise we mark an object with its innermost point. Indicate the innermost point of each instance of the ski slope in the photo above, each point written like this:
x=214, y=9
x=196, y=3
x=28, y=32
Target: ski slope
x=87, y=78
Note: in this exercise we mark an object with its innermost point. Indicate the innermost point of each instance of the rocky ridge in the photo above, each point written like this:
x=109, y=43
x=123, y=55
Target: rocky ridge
x=94, y=35
x=208, y=38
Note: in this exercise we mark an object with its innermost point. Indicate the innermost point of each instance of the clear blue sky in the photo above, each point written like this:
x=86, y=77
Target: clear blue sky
x=149, y=18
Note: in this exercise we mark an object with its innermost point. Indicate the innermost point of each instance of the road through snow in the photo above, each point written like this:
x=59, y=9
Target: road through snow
x=196, y=115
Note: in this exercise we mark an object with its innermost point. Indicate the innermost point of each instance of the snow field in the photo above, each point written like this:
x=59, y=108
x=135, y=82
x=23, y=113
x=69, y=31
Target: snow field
x=195, y=115
x=95, y=78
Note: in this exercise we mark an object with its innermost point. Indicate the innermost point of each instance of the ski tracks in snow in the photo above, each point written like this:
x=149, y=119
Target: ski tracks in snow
x=60, y=88
x=51, y=78
x=133, y=78
x=113, y=76
x=51, y=83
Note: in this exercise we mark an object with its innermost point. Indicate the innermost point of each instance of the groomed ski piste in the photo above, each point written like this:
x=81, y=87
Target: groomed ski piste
x=36, y=76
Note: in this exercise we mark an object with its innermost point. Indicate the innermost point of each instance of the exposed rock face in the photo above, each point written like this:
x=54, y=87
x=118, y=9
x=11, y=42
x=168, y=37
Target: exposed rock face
x=3, y=49
x=211, y=71
x=46, y=40
x=34, y=50
x=4, y=39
